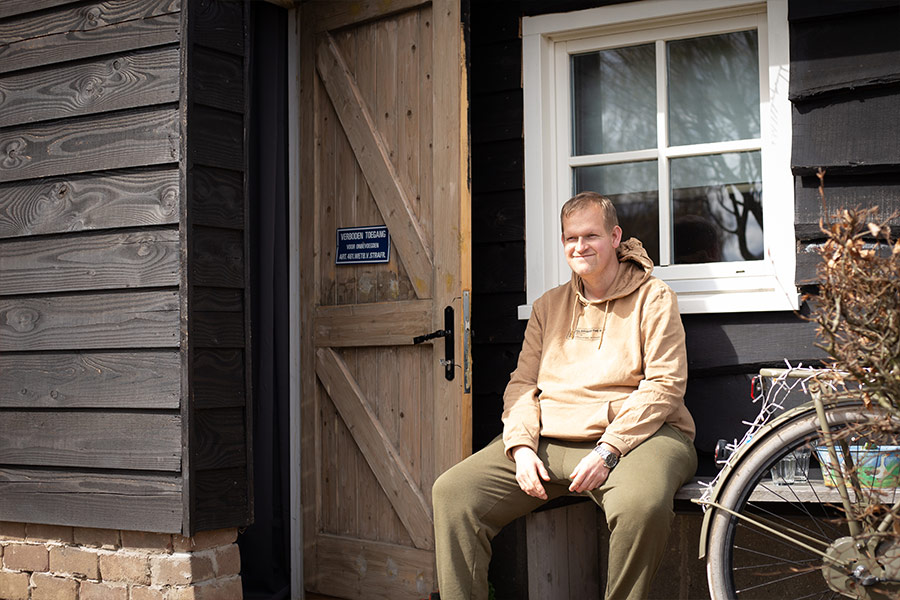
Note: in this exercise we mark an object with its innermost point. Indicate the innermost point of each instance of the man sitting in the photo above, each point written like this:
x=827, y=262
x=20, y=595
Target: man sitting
x=595, y=406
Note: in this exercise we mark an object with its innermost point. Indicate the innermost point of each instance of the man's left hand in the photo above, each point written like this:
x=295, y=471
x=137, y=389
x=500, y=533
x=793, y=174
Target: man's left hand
x=589, y=474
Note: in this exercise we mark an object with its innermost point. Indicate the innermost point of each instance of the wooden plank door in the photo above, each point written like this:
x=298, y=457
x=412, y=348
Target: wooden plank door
x=383, y=143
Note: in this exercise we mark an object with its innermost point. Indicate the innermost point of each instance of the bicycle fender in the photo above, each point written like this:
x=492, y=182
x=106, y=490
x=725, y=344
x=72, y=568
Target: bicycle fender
x=734, y=464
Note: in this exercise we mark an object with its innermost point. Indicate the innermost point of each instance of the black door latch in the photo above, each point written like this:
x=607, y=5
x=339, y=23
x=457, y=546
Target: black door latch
x=449, y=349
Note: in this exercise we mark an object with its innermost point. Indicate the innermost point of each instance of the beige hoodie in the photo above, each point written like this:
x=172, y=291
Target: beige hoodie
x=612, y=370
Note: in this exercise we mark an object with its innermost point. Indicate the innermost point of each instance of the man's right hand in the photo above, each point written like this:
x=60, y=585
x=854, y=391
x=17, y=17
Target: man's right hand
x=529, y=472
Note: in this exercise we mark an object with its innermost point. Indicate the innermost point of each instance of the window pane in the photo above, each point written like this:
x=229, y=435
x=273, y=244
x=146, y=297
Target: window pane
x=713, y=88
x=634, y=190
x=614, y=100
x=717, y=208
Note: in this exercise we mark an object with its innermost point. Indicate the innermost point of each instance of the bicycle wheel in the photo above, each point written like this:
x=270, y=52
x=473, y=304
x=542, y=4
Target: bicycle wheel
x=746, y=561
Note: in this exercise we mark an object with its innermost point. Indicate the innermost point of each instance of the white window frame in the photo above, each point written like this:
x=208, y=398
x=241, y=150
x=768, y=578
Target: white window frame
x=549, y=40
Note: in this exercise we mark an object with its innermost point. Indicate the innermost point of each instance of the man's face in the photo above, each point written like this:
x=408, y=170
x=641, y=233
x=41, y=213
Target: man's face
x=589, y=247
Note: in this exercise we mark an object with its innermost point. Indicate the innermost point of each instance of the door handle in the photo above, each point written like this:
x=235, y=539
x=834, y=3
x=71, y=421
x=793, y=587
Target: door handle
x=449, y=348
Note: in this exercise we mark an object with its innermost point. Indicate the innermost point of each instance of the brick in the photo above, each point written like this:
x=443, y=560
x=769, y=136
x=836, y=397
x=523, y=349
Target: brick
x=75, y=561
x=48, y=587
x=91, y=590
x=26, y=557
x=219, y=589
x=204, y=540
x=13, y=586
x=35, y=532
x=142, y=540
x=227, y=560
x=108, y=539
x=129, y=568
x=140, y=592
x=182, y=568
x=12, y=531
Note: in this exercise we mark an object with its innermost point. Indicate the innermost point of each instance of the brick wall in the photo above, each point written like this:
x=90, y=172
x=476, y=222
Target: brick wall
x=43, y=562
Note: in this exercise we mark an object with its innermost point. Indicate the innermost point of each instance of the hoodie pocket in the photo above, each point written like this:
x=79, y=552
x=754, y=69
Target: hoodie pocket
x=612, y=410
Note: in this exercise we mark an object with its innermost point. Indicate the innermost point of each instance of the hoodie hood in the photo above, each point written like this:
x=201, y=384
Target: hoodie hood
x=633, y=270
x=635, y=267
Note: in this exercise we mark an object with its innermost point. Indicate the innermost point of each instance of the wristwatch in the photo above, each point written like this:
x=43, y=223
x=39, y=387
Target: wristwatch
x=610, y=459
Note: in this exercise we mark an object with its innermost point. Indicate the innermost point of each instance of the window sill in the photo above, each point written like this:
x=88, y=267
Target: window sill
x=722, y=301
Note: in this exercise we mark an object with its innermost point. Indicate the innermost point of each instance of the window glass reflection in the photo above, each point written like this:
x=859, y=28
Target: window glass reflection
x=614, y=100
x=713, y=88
x=717, y=208
x=634, y=190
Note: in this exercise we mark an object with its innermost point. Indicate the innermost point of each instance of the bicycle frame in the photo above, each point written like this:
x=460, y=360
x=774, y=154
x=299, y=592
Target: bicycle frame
x=817, y=404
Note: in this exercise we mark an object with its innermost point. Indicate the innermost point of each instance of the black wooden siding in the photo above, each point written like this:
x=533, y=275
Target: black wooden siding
x=845, y=90
x=124, y=400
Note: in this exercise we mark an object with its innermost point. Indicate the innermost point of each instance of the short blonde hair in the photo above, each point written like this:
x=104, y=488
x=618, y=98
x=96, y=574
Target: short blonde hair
x=584, y=200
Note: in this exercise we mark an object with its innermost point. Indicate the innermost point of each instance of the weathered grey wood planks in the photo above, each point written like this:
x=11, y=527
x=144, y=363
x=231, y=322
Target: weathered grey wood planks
x=98, y=380
x=120, y=37
x=111, y=141
x=85, y=17
x=11, y=8
x=135, y=501
x=123, y=272
x=114, y=82
x=86, y=321
x=90, y=262
x=110, y=440
x=127, y=198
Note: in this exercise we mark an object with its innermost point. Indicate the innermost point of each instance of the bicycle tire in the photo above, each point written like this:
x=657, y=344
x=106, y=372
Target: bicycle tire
x=746, y=562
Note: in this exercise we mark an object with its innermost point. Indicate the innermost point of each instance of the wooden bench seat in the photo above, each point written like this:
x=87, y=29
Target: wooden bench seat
x=563, y=538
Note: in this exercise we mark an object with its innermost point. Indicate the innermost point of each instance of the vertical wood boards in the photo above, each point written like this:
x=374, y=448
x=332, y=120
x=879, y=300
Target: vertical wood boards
x=563, y=553
x=123, y=227
x=372, y=441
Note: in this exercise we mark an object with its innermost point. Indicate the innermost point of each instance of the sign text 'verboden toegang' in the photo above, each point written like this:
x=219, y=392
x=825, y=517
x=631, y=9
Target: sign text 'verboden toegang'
x=359, y=245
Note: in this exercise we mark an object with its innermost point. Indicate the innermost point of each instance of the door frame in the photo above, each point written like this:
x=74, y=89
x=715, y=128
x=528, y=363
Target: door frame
x=294, y=301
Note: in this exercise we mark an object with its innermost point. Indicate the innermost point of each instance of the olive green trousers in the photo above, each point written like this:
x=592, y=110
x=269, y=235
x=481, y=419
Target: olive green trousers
x=476, y=498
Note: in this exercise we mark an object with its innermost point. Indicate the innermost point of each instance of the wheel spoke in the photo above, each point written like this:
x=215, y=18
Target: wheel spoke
x=774, y=581
x=782, y=560
x=779, y=563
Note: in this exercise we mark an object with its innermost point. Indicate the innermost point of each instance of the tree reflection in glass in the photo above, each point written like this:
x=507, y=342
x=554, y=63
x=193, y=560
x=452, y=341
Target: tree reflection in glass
x=717, y=208
x=614, y=100
x=713, y=88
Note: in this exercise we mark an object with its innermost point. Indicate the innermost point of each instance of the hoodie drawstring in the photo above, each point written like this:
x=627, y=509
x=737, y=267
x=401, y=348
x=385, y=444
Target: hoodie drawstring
x=575, y=315
x=579, y=303
x=603, y=327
